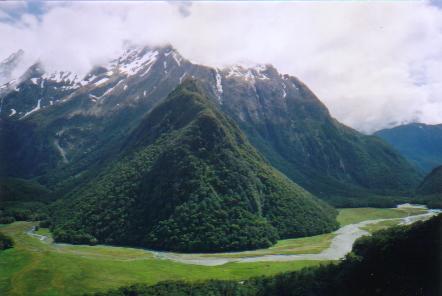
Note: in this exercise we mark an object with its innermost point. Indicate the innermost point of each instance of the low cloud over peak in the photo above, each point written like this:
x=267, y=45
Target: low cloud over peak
x=373, y=64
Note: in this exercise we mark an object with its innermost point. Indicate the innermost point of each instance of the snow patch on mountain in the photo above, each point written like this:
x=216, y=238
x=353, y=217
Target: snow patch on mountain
x=135, y=60
x=248, y=74
x=284, y=93
x=235, y=71
x=61, y=76
x=33, y=110
x=94, y=98
x=88, y=79
x=107, y=92
x=219, y=86
x=61, y=151
x=101, y=81
x=177, y=58
x=259, y=69
x=149, y=66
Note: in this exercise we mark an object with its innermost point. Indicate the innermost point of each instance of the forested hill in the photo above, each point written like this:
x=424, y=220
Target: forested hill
x=430, y=190
x=432, y=184
x=187, y=179
x=400, y=261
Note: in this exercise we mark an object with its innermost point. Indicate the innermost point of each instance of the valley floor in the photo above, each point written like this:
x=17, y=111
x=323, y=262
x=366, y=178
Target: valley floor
x=35, y=266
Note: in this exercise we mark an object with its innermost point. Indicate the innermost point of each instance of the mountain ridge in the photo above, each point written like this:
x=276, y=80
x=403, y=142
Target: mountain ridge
x=281, y=117
x=188, y=180
x=420, y=143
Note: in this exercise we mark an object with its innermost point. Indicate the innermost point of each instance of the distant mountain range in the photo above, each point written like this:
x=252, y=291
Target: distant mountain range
x=420, y=143
x=61, y=129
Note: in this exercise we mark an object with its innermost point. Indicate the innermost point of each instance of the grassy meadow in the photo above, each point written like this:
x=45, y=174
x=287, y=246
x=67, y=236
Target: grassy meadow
x=355, y=215
x=36, y=267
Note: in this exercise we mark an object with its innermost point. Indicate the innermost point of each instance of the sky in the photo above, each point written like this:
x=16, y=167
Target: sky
x=375, y=64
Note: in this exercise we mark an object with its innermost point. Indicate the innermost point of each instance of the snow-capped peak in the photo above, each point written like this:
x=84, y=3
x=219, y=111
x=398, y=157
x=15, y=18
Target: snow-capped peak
x=62, y=76
x=134, y=60
x=175, y=55
x=249, y=73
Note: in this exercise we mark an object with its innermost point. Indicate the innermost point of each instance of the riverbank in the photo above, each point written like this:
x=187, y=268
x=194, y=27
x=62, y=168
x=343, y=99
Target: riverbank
x=341, y=241
x=37, y=267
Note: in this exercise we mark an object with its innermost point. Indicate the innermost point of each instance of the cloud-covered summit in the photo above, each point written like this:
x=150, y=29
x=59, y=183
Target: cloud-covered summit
x=374, y=64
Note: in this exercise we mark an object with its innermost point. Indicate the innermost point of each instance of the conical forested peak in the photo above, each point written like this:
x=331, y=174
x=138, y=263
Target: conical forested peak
x=191, y=85
x=187, y=105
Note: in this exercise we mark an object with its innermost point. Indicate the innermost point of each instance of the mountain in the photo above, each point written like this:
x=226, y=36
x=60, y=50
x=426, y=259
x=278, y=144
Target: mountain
x=56, y=136
x=187, y=179
x=430, y=190
x=432, y=184
x=420, y=143
x=61, y=130
x=9, y=65
x=296, y=132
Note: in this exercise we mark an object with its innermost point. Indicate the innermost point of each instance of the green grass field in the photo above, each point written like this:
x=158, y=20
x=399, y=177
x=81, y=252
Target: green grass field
x=355, y=215
x=35, y=267
x=43, y=231
x=381, y=225
x=304, y=245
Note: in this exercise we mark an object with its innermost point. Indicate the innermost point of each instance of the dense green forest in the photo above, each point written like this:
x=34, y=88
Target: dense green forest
x=403, y=260
x=430, y=190
x=14, y=189
x=432, y=184
x=22, y=199
x=188, y=180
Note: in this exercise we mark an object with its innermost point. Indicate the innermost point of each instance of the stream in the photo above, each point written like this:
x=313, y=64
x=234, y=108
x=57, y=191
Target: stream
x=340, y=245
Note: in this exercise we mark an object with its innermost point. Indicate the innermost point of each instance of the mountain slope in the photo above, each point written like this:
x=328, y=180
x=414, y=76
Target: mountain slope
x=188, y=180
x=9, y=65
x=295, y=131
x=429, y=191
x=90, y=117
x=432, y=184
x=420, y=143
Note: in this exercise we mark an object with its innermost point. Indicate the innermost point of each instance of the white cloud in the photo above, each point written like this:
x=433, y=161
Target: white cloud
x=373, y=64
